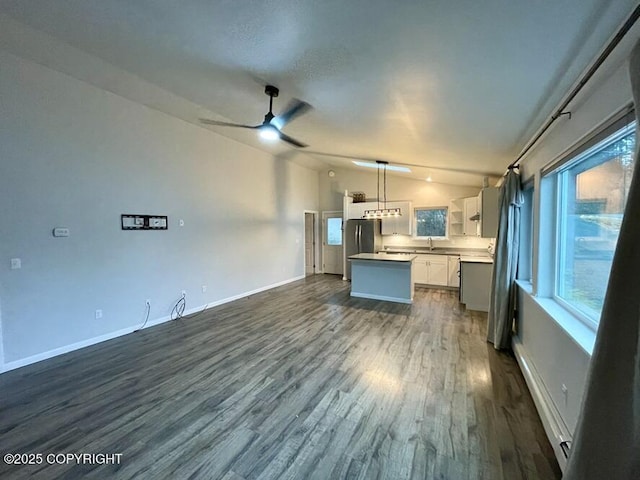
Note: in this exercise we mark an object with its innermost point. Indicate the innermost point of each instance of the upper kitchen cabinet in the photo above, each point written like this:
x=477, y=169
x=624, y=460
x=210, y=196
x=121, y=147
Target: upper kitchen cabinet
x=461, y=211
x=471, y=217
x=400, y=225
x=456, y=217
x=488, y=206
x=356, y=210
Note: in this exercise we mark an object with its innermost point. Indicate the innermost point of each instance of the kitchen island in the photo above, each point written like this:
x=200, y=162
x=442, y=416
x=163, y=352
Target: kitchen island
x=475, y=282
x=382, y=276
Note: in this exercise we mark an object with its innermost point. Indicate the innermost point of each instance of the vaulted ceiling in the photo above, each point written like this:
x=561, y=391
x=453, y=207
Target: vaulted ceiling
x=458, y=85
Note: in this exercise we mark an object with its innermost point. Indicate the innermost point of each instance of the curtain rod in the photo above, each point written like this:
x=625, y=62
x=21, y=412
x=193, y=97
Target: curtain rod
x=583, y=81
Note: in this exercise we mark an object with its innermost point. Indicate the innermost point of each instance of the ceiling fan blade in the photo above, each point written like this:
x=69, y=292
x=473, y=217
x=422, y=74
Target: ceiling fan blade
x=292, y=141
x=226, y=124
x=294, y=109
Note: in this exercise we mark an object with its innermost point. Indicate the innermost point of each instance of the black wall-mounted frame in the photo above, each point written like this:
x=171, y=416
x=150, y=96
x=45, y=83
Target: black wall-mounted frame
x=143, y=222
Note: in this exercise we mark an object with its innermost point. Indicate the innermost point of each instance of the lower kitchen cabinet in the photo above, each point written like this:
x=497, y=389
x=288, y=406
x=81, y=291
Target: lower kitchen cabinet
x=475, y=285
x=431, y=269
x=454, y=271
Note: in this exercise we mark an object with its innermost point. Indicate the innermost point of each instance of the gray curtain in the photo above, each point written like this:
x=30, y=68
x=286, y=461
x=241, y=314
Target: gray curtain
x=505, y=263
x=607, y=439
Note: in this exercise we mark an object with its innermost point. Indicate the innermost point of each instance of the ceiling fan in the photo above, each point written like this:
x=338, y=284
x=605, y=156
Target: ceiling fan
x=271, y=127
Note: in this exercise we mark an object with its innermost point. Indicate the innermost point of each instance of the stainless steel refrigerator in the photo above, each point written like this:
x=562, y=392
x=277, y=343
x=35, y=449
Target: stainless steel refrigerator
x=361, y=236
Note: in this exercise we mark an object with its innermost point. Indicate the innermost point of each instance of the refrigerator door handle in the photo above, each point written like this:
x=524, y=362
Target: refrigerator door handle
x=359, y=238
x=355, y=236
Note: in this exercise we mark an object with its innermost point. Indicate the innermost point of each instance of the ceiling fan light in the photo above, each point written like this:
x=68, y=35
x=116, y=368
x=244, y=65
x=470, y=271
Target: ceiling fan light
x=269, y=133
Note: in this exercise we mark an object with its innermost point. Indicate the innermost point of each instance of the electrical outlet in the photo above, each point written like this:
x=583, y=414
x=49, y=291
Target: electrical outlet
x=16, y=263
x=98, y=314
x=204, y=289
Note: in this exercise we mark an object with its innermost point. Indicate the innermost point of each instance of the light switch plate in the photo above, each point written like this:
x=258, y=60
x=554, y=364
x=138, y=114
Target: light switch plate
x=16, y=263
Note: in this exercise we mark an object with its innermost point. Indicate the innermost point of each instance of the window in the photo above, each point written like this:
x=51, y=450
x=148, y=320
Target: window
x=592, y=190
x=431, y=222
x=525, y=253
x=334, y=231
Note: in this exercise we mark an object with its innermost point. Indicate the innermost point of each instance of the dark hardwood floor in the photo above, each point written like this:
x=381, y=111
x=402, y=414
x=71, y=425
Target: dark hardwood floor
x=300, y=382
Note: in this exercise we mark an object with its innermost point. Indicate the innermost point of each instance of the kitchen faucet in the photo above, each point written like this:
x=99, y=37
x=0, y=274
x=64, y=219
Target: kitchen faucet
x=430, y=243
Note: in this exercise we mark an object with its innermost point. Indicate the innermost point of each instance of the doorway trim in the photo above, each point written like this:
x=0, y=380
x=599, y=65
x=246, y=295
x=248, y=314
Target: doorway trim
x=333, y=214
x=317, y=239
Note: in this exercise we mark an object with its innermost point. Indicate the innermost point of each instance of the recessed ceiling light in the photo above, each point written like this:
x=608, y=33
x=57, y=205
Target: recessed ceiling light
x=428, y=179
x=395, y=168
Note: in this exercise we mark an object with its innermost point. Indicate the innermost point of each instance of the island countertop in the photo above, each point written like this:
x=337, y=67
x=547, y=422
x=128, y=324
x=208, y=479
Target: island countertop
x=475, y=259
x=385, y=257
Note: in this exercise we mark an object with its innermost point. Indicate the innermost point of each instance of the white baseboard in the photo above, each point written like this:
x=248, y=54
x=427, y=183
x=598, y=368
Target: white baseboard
x=65, y=349
x=554, y=425
x=125, y=331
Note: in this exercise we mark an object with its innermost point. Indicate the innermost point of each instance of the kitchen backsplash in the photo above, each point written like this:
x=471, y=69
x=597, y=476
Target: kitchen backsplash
x=457, y=242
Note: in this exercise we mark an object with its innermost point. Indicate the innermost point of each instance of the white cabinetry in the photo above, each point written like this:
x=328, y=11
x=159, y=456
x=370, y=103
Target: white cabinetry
x=400, y=225
x=456, y=217
x=460, y=210
x=471, y=210
x=356, y=210
x=431, y=269
x=488, y=204
x=454, y=271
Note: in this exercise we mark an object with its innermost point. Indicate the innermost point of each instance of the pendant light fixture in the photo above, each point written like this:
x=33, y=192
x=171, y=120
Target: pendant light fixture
x=384, y=211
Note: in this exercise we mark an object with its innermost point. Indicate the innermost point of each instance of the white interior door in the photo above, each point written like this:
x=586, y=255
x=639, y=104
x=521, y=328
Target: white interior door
x=332, y=242
x=309, y=244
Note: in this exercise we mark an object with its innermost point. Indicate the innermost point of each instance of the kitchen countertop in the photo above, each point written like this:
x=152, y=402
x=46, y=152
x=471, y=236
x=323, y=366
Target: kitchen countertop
x=385, y=257
x=475, y=259
x=466, y=255
x=471, y=252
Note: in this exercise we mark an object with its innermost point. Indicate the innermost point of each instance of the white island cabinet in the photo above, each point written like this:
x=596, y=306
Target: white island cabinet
x=382, y=276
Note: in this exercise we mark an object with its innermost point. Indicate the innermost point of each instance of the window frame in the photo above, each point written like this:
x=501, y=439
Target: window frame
x=327, y=230
x=433, y=237
x=582, y=157
x=525, y=270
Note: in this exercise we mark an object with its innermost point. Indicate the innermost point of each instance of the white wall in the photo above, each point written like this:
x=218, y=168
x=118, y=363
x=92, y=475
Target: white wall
x=551, y=355
x=605, y=99
x=420, y=192
x=74, y=155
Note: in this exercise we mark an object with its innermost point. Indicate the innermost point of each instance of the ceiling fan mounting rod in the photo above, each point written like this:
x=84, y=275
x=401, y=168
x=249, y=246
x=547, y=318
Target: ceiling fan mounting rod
x=272, y=92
